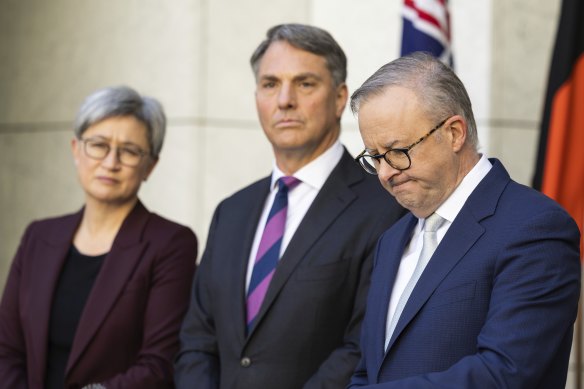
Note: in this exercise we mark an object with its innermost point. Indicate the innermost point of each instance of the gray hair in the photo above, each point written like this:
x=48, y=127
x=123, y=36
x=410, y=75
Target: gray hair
x=440, y=91
x=123, y=101
x=308, y=38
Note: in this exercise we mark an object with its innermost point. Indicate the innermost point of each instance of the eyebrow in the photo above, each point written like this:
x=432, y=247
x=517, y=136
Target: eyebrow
x=298, y=77
x=386, y=146
x=304, y=76
x=126, y=143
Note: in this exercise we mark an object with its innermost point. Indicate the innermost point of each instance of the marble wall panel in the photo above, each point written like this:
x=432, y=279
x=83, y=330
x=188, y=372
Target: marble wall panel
x=472, y=26
x=174, y=188
x=37, y=180
x=516, y=147
x=234, y=157
x=369, y=32
x=522, y=40
x=62, y=50
x=234, y=30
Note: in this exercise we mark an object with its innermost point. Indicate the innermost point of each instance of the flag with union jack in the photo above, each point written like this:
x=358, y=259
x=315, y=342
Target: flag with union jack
x=427, y=28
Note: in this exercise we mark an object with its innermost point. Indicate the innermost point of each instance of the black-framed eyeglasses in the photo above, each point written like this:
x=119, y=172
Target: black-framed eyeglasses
x=128, y=155
x=398, y=158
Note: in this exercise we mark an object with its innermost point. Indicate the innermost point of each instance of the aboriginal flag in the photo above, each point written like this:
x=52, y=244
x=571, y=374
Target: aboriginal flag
x=427, y=28
x=560, y=161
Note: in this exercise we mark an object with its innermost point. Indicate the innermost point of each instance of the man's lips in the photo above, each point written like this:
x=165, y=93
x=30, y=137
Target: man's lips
x=398, y=183
x=288, y=123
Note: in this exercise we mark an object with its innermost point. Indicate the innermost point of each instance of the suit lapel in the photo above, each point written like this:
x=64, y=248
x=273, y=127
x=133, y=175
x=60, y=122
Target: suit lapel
x=236, y=275
x=461, y=236
x=386, y=267
x=117, y=268
x=331, y=201
x=52, y=252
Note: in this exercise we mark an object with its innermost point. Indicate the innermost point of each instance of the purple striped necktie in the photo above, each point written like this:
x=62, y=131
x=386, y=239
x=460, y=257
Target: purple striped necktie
x=269, y=250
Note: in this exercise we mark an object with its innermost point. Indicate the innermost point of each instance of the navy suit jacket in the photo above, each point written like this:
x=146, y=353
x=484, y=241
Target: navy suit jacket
x=307, y=330
x=128, y=332
x=494, y=307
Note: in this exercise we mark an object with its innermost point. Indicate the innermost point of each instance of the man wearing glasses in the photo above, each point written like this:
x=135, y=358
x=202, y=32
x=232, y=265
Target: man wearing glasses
x=478, y=286
x=279, y=296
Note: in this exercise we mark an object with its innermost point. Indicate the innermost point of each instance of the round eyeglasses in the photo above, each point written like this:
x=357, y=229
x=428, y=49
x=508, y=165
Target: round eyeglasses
x=128, y=155
x=398, y=158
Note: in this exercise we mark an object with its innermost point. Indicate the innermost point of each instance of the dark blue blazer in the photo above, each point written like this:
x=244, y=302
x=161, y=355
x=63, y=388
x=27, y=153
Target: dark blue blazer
x=307, y=331
x=495, y=306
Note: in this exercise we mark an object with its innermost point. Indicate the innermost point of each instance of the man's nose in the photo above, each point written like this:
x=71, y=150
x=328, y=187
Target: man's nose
x=385, y=171
x=287, y=97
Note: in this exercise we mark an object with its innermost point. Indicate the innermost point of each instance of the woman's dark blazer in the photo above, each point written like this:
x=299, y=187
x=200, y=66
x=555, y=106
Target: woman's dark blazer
x=128, y=331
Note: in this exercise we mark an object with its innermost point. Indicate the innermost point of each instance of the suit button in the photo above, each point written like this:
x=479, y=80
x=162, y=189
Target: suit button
x=245, y=362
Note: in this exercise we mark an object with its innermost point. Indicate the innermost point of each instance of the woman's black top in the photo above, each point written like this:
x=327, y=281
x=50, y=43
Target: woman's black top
x=75, y=282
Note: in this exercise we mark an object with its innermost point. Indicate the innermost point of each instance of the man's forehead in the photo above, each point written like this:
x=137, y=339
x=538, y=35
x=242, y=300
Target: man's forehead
x=393, y=101
x=282, y=55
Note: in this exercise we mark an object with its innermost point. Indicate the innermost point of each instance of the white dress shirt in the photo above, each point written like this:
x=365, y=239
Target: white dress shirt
x=312, y=177
x=448, y=210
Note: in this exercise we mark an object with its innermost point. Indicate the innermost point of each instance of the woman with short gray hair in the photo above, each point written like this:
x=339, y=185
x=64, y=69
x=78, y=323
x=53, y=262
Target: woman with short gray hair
x=95, y=299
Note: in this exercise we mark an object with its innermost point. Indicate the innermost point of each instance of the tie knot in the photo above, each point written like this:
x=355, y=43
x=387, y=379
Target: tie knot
x=433, y=222
x=287, y=181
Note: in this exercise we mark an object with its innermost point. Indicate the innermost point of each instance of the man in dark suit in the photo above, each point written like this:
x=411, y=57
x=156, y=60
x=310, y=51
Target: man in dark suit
x=478, y=287
x=291, y=321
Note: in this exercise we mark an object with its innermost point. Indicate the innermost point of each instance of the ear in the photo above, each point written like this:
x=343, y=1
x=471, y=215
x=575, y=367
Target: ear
x=458, y=130
x=149, y=169
x=75, y=150
x=342, y=94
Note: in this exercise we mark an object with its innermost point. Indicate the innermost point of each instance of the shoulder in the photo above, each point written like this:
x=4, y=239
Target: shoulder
x=53, y=226
x=54, y=221
x=499, y=198
x=246, y=197
x=527, y=211
x=250, y=192
x=371, y=195
x=370, y=206
x=170, y=242
x=361, y=183
x=162, y=228
x=518, y=199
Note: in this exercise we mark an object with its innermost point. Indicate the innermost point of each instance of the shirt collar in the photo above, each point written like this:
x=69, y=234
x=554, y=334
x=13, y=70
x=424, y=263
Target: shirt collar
x=316, y=172
x=454, y=203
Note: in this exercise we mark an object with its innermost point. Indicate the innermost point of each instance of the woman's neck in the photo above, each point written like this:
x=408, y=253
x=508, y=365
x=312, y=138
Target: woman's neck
x=100, y=225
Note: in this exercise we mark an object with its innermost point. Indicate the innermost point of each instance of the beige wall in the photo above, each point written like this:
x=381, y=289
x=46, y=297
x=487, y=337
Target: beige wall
x=193, y=56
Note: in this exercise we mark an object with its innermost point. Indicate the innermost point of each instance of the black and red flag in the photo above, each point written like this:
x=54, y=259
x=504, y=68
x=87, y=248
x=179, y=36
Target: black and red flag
x=560, y=160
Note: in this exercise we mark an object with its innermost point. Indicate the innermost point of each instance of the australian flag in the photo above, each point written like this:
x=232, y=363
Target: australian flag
x=427, y=28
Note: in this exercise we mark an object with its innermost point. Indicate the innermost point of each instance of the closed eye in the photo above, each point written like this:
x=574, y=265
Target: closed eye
x=134, y=152
x=99, y=145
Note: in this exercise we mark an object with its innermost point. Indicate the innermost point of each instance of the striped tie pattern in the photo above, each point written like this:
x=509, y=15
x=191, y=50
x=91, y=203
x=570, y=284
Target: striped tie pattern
x=269, y=250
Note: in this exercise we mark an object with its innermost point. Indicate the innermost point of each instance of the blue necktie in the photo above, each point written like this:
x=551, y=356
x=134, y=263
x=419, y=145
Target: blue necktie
x=269, y=250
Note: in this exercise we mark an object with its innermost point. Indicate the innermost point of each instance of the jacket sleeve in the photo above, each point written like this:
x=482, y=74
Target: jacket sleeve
x=533, y=306
x=13, y=370
x=166, y=305
x=197, y=363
